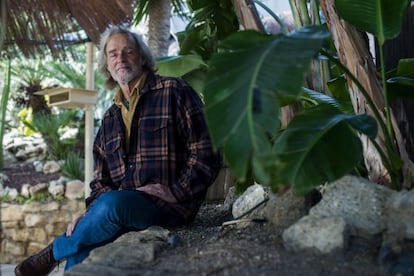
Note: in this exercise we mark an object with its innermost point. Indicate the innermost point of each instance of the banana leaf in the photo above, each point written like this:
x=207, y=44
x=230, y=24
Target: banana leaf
x=252, y=75
x=382, y=18
x=320, y=145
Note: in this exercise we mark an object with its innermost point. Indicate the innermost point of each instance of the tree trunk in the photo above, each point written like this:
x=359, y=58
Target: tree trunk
x=248, y=15
x=394, y=50
x=37, y=102
x=159, y=14
x=353, y=53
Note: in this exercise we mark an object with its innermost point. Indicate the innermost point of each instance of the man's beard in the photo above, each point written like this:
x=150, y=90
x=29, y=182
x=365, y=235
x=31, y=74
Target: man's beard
x=124, y=76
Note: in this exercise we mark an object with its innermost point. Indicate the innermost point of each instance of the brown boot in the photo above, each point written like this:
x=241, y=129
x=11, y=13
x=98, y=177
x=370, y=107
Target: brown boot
x=37, y=265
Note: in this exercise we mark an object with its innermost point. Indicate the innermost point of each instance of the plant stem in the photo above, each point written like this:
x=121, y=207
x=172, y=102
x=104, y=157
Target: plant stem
x=389, y=145
x=364, y=92
x=4, y=100
x=384, y=87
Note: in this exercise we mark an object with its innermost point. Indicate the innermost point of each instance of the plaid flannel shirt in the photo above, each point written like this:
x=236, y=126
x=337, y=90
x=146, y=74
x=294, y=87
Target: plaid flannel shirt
x=169, y=145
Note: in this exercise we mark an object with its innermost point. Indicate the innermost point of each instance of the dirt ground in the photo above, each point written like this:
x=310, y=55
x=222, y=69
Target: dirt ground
x=206, y=247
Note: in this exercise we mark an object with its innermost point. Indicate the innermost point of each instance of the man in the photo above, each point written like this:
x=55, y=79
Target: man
x=153, y=156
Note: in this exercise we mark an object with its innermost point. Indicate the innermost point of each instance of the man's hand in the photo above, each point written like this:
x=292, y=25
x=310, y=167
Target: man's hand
x=72, y=225
x=160, y=191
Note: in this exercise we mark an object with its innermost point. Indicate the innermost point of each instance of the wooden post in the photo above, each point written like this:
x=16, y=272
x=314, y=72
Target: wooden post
x=89, y=125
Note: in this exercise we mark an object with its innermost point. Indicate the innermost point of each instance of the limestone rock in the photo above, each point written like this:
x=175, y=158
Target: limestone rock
x=75, y=189
x=11, y=193
x=56, y=190
x=21, y=155
x=51, y=167
x=400, y=216
x=251, y=199
x=284, y=209
x=117, y=256
x=25, y=190
x=316, y=234
x=358, y=201
x=38, y=188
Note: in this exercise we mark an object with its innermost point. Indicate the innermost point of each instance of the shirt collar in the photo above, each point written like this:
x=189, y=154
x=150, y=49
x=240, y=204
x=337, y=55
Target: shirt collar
x=119, y=97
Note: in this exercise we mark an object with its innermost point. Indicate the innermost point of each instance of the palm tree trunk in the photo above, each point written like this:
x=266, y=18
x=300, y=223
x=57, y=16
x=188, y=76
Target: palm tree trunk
x=354, y=54
x=159, y=14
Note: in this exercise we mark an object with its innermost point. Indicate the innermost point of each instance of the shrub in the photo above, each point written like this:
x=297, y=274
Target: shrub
x=74, y=166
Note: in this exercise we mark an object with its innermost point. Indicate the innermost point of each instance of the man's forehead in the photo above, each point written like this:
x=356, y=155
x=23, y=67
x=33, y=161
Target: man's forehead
x=120, y=41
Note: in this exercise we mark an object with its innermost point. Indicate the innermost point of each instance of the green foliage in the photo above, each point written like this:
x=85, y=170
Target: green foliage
x=73, y=166
x=320, y=144
x=71, y=73
x=5, y=198
x=382, y=18
x=41, y=196
x=304, y=152
x=20, y=199
x=252, y=90
x=400, y=81
x=190, y=67
x=49, y=126
x=141, y=10
x=4, y=101
x=211, y=22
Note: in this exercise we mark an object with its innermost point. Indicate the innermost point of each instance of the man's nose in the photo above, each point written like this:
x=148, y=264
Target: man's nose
x=122, y=56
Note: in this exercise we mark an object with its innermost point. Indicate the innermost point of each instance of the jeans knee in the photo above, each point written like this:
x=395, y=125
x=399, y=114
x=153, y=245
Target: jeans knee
x=107, y=206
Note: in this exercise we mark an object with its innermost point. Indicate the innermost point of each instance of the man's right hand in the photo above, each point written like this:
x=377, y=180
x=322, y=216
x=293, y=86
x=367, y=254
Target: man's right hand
x=72, y=225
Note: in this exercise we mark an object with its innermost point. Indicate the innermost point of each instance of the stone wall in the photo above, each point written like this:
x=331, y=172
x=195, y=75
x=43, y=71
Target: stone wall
x=26, y=229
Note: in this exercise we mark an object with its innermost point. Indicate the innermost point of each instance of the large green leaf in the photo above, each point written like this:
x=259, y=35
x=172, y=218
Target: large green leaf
x=382, y=18
x=247, y=80
x=400, y=82
x=192, y=68
x=178, y=66
x=319, y=146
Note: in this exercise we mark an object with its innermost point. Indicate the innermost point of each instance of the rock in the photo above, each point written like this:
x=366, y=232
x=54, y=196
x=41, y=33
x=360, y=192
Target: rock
x=51, y=167
x=358, y=201
x=21, y=155
x=57, y=187
x=3, y=178
x=117, y=256
x=25, y=191
x=38, y=165
x=316, y=234
x=38, y=189
x=284, y=209
x=230, y=199
x=75, y=189
x=11, y=193
x=254, y=197
x=56, y=190
x=11, y=212
x=400, y=216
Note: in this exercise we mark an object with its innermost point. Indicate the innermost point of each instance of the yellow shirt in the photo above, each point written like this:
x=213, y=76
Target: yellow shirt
x=128, y=107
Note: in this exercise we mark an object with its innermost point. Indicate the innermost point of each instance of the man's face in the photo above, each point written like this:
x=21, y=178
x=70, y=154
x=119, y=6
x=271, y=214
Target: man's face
x=122, y=58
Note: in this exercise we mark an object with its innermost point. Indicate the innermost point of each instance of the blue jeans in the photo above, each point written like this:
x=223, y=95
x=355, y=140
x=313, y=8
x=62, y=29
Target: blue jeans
x=111, y=215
